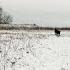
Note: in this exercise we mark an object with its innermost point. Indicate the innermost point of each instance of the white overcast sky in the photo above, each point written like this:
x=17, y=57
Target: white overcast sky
x=42, y=12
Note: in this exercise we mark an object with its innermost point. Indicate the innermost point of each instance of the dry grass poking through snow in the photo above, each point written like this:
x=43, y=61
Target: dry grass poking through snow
x=29, y=50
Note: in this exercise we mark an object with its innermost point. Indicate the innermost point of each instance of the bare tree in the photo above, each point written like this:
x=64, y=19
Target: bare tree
x=1, y=10
x=5, y=18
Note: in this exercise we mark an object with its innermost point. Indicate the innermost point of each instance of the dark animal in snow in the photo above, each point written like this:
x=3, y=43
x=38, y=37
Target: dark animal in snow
x=57, y=32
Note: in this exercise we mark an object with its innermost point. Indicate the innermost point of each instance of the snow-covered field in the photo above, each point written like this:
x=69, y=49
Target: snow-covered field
x=34, y=50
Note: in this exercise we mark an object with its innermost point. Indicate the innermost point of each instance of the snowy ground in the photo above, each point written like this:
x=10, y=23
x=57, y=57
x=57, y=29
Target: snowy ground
x=34, y=50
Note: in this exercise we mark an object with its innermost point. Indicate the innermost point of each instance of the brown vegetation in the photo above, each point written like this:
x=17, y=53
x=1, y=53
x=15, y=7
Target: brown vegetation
x=22, y=27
